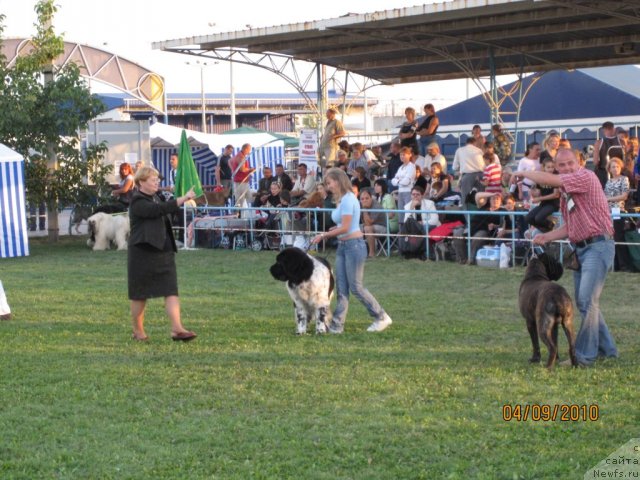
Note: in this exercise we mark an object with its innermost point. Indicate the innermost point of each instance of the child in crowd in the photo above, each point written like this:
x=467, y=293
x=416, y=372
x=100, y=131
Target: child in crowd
x=492, y=174
x=548, y=200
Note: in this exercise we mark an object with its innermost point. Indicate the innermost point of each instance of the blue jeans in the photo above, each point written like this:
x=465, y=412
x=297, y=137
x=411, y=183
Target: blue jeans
x=593, y=337
x=350, y=258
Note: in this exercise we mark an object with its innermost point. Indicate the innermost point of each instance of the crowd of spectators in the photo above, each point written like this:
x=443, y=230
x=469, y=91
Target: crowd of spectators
x=480, y=177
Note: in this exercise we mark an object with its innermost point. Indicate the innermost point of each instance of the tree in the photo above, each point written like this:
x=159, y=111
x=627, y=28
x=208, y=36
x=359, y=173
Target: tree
x=43, y=111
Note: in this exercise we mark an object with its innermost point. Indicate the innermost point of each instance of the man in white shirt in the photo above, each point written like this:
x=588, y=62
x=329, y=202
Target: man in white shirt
x=469, y=162
x=304, y=185
x=434, y=155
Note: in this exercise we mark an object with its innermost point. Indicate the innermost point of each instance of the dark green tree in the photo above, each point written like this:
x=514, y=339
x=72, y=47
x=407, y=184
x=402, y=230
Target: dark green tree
x=44, y=108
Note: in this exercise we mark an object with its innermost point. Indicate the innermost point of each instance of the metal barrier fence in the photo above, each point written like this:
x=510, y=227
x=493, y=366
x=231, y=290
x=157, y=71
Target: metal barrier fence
x=312, y=219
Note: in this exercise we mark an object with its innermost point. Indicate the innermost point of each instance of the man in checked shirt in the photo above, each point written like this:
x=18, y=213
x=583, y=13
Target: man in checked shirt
x=588, y=226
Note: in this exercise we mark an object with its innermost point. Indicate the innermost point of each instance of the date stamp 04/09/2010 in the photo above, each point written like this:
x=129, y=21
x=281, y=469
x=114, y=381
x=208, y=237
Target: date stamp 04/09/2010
x=540, y=412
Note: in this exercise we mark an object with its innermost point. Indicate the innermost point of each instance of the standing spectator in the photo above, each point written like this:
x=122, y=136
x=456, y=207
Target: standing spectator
x=491, y=175
x=283, y=178
x=501, y=144
x=434, y=155
x=372, y=223
x=476, y=133
x=387, y=202
x=551, y=145
x=606, y=147
x=350, y=256
x=548, y=200
x=173, y=162
x=468, y=161
x=587, y=224
x=223, y=170
x=405, y=178
x=408, y=130
x=304, y=185
x=151, y=262
x=617, y=190
x=394, y=162
x=333, y=131
x=241, y=172
x=428, y=128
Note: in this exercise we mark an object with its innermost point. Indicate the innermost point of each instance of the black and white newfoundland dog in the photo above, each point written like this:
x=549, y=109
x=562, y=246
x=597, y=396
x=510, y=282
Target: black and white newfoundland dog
x=545, y=305
x=310, y=284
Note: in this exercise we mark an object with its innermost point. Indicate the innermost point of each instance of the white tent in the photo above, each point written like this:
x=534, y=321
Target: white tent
x=14, y=241
x=215, y=142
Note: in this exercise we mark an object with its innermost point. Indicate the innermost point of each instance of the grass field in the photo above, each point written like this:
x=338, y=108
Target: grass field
x=248, y=399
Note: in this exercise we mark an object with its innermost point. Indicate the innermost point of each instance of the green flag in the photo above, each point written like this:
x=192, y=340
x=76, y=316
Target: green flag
x=186, y=174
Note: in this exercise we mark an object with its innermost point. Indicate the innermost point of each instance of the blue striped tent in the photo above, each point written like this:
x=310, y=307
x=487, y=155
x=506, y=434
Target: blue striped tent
x=14, y=241
x=206, y=161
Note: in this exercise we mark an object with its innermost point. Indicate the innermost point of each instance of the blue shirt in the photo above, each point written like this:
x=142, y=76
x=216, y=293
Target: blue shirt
x=349, y=205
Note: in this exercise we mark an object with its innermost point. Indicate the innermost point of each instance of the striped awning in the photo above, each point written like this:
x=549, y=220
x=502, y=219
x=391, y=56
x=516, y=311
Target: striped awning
x=14, y=241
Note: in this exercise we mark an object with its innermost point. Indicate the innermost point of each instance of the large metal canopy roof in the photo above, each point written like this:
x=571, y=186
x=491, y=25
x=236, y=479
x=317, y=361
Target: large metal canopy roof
x=455, y=39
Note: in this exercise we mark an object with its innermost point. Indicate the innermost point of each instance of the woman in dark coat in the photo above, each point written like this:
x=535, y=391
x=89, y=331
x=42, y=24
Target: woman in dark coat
x=151, y=255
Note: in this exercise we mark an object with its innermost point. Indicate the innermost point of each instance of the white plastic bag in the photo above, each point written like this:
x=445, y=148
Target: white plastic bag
x=505, y=255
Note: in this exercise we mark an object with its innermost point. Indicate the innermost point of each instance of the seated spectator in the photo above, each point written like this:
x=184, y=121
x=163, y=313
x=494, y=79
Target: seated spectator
x=358, y=159
x=418, y=202
x=617, y=190
x=273, y=199
x=548, y=200
x=264, y=187
x=387, y=202
x=434, y=155
x=124, y=190
x=304, y=185
x=372, y=223
x=564, y=143
x=342, y=159
x=443, y=181
x=360, y=180
x=283, y=178
x=481, y=227
x=422, y=178
x=492, y=174
x=508, y=228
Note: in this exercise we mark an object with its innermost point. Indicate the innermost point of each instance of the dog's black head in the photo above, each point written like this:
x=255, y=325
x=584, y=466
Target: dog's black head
x=292, y=264
x=544, y=266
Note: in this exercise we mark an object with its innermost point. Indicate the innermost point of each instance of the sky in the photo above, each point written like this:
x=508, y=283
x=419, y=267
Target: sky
x=128, y=28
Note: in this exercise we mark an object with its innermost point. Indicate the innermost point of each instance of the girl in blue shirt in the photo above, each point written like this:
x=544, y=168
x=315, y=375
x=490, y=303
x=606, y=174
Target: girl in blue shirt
x=351, y=254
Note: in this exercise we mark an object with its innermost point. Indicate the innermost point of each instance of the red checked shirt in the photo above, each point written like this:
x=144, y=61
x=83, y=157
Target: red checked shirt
x=589, y=216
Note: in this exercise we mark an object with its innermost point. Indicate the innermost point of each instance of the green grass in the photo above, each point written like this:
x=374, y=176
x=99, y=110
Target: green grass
x=248, y=399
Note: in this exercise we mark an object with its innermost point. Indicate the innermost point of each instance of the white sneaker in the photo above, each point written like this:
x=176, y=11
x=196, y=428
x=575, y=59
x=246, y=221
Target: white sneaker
x=380, y=325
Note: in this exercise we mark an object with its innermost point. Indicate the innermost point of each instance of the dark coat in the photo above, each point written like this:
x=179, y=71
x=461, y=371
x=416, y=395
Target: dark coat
x=149, y=221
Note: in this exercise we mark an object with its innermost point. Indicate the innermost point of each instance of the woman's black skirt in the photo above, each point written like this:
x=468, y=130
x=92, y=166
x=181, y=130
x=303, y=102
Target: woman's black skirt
x=151, y=272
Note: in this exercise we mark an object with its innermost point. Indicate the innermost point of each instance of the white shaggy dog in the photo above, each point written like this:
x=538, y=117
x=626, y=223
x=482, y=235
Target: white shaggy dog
x=310, y=284
x=105, y=229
